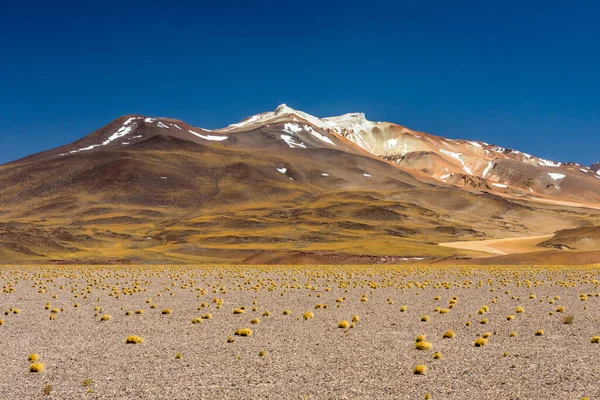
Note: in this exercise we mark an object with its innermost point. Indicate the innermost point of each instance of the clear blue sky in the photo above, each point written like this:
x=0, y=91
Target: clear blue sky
x=521, y=74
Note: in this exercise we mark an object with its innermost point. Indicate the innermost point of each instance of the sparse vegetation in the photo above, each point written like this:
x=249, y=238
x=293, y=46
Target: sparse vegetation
x=343, y=324
x=420, y=370
x=568, y=319
x=449, y=334
x=37, y=367
x=134, y=339
x=243, y=332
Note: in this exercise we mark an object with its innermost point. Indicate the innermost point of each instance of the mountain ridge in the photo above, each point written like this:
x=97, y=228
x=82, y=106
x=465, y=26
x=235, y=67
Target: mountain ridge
x=282, y=185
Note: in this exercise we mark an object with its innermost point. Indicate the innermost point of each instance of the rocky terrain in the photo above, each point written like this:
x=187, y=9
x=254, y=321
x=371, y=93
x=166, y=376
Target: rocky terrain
x=314, y=333
x=281, y=187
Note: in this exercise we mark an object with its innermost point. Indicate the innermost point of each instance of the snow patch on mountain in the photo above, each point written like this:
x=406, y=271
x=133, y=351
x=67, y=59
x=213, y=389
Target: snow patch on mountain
x=209, y=137
x=487, y=169
x=458, y=156
x=291, y=142
x=316, y=134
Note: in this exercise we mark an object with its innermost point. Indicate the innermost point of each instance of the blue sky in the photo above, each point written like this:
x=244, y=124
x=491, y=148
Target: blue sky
x=523, y=75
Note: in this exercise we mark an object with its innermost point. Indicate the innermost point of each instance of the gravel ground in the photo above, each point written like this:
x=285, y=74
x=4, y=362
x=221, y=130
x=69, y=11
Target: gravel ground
x=85, y=358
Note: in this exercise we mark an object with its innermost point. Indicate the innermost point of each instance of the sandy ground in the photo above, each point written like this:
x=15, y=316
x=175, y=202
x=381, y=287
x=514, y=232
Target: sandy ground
x=304, y=359
x=501, y=246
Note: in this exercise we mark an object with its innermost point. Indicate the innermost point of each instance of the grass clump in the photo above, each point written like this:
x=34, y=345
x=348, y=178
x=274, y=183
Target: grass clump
x=539, y=332
x=437, y=355
x=424, y=318
x=480, y=342
x=105, y=317
x=166, y=311
x=243, y=332
x=134, y=339
x=196, y=320
x=519, y=310
x=308, y=315
x=568, y=319
x=255, y=321
x=37, y=367
x=344, y=324
x=449, y=334
x=595, y=339
x=423, y=345
x=420, y=370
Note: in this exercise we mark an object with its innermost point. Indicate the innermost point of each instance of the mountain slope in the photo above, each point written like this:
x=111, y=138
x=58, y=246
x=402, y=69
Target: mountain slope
x=282, y=185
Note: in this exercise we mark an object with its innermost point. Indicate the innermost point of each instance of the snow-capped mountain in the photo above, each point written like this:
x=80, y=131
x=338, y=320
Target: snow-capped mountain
x=282, y=182
x=467, y=163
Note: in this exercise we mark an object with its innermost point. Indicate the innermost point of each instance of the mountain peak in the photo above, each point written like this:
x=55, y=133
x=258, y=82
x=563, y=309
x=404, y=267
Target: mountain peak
x=284, y=109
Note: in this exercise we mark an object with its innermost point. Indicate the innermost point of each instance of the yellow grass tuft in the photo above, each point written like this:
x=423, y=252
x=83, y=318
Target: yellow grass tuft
x=255, y=321
x=595, y=339
x=423, y=345
x=539, y=332
x=355, y=318
x=134, y=339
x=105, y=317
x=519, y=310
x=196, y=320
x=33, y=357
x=243, y=332
x=37, y=367
x=308, y=315
x=420, y=370
x=343, y=324
x=424, y=318
x=449, y=334
x=480, y=342
x=437, y=355
x=166, y=311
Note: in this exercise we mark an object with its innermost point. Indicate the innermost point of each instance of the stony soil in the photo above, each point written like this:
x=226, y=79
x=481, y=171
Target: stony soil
x=304, y=359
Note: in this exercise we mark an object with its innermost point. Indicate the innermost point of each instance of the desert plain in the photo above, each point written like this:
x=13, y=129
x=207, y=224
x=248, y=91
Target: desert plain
x=535, y=327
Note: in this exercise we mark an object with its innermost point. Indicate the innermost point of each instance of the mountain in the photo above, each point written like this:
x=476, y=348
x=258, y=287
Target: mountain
x=279, y=187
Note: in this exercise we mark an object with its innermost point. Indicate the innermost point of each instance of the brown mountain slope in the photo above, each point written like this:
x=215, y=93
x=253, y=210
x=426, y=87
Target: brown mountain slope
x=585, y=238
x=282, y=190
